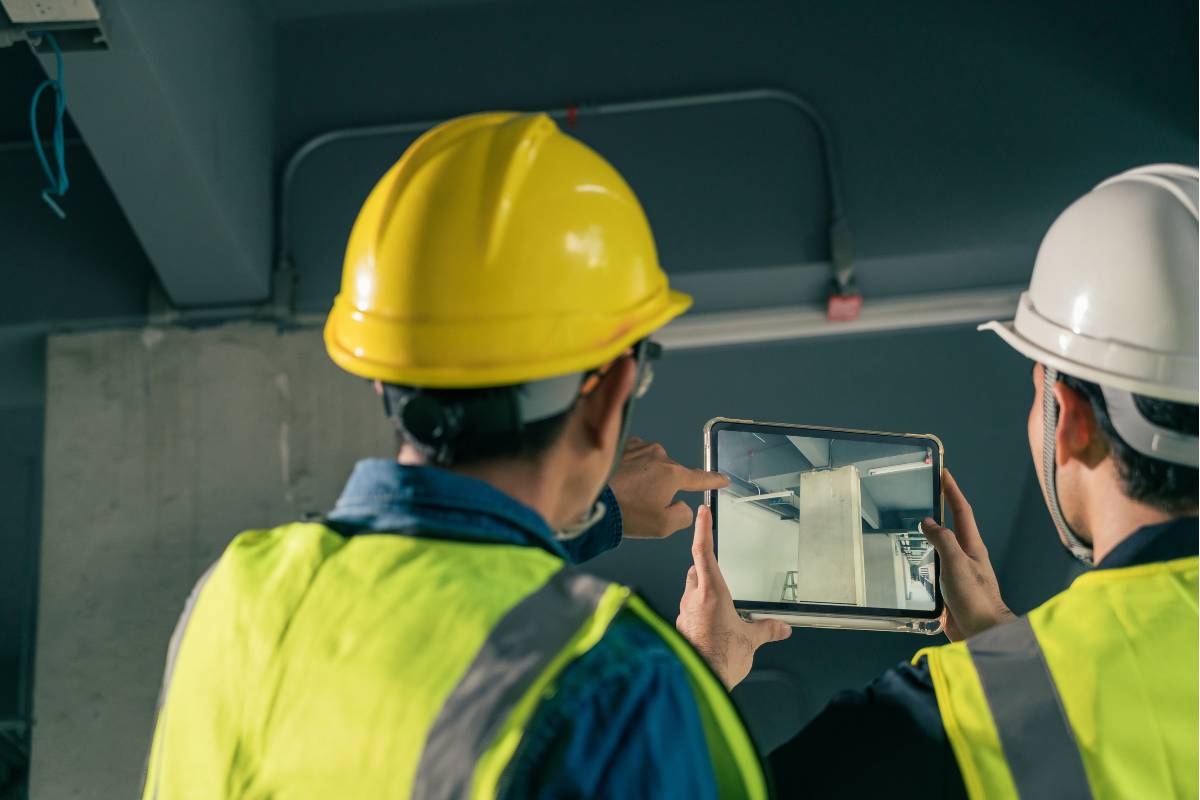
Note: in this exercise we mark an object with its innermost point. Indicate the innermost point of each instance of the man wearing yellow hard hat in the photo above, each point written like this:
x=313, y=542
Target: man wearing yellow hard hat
x=1094, y=693
x=430, y=637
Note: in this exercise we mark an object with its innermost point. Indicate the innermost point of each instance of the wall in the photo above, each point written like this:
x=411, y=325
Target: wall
x=756, y=549
x=191, y=436
x=55, y=272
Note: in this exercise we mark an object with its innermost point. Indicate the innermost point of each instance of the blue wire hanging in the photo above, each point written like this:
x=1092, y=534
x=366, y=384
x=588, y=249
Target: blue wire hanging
x=57, y=179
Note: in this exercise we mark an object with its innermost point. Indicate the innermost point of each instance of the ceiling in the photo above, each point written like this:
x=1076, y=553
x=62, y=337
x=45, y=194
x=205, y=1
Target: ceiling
x=959, y=130
x=89, y=265
x=20, y=74
x=308, y=9
x=769, y=463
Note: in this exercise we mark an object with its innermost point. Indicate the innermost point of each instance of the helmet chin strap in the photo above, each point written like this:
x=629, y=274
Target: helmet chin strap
x=1070, y=540
x=598, y=508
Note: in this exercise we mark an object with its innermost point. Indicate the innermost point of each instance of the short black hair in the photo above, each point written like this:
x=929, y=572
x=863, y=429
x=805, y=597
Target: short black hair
x=1160, y=484
x=528, y=444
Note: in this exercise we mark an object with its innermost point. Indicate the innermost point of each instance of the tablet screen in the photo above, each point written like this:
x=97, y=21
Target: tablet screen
x=826, y=518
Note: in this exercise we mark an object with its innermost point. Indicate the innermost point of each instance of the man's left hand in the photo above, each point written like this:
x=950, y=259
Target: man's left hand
x=708, y=619
x=646, y=483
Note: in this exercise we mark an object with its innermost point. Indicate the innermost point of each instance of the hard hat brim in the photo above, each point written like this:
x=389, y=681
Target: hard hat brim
x=346, y=324
x=1007, y=331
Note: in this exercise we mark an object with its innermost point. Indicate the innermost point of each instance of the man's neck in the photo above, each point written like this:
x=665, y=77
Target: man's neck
x=1115, y=518
x=525, y=481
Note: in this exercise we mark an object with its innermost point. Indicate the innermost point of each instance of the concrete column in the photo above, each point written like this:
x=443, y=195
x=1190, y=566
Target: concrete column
x=830, y=566
x=160, y=447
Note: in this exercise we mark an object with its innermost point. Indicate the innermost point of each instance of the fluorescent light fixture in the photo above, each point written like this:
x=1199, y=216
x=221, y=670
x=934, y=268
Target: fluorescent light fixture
x=894, y=468
x=781, y=323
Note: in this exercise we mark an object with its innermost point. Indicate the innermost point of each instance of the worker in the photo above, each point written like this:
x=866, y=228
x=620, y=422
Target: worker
x=431, y=637
x=1094, y=693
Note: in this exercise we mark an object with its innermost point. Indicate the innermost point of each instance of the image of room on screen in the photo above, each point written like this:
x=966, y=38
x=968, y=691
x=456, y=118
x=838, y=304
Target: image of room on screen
x=828, y=521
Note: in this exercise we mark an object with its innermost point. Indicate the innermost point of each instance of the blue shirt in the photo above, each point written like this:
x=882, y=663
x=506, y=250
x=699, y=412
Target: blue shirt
x=622, y=721
x=894, y=725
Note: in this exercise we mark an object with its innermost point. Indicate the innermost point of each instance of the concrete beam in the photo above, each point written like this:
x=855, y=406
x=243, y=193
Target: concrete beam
x=179, y=116
x=813, y=449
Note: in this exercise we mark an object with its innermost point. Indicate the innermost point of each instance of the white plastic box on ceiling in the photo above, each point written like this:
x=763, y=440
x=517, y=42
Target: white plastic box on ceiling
x=76, y=24
x=33, y=11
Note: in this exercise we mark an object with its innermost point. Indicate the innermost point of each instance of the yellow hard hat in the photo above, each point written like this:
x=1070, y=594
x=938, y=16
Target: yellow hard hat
x=497, y=251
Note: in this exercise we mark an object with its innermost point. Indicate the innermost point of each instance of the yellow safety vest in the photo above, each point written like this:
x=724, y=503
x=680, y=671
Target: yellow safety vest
x=312, y=665
x=1091, y=695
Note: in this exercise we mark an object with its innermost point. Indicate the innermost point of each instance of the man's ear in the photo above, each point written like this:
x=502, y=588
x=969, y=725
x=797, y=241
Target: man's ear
x=1078, y=435
x=601, y=411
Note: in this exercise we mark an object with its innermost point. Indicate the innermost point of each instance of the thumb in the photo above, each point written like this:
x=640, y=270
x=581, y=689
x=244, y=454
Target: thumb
x=768, y=630
x=942, y=539
x=691, y=581
x=707, y=571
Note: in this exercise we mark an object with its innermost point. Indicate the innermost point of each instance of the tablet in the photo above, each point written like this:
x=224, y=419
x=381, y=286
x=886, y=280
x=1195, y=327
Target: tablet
x=819, y=527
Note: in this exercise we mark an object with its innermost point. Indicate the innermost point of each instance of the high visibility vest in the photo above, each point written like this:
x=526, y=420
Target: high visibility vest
x=311, y=665
x=1091, y=695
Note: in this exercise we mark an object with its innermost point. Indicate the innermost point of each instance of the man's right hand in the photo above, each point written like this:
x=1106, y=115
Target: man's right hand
x=645, y=485
x=969, y=587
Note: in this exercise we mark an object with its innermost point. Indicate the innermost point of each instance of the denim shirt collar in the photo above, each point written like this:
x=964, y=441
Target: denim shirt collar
x=383, y=495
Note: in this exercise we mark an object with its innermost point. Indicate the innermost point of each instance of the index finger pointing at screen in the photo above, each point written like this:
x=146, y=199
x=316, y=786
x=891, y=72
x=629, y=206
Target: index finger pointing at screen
x=700, y=480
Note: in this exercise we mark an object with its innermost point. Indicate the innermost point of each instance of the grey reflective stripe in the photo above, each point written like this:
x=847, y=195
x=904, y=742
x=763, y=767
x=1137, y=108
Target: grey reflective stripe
x=516, y=652
x=169, y=670
x=1035, y=733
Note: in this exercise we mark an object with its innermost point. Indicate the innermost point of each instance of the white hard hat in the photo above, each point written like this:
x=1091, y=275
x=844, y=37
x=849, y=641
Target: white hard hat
x=1113, y=298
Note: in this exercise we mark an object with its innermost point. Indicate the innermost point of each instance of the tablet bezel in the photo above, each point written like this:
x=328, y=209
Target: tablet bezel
x=850, y=613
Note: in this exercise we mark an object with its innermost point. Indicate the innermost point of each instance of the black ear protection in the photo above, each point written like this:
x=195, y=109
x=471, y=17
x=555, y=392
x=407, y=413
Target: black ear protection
x=434, y=420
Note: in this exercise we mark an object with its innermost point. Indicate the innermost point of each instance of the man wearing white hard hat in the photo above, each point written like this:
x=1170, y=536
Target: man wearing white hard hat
x=1094, y=693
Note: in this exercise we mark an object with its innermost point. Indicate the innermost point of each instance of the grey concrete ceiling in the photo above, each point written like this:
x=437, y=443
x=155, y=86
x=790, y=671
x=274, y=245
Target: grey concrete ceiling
x=960, y=129
x=308, y=9
x=19, y=75
x=90, y=264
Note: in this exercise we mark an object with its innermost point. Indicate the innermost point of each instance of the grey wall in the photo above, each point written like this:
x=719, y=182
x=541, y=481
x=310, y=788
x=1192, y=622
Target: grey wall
x=54, y=272
x=192, y=436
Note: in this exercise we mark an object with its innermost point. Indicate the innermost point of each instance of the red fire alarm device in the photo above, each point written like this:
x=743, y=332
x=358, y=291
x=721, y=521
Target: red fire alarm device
x=843, y=307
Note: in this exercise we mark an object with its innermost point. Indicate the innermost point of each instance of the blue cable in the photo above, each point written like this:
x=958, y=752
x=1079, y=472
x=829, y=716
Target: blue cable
x=58, y=181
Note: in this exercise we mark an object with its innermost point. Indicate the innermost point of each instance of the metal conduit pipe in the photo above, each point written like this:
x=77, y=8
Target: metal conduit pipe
x=839, y=235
